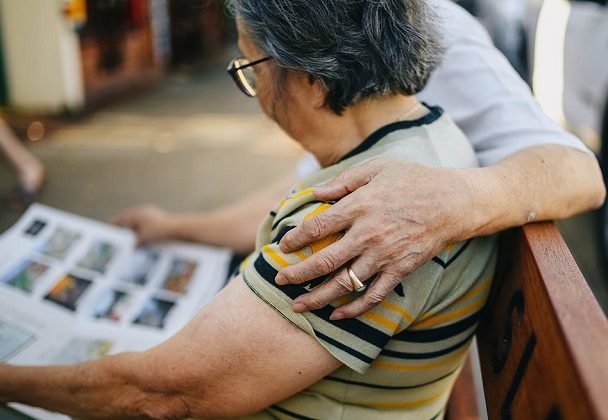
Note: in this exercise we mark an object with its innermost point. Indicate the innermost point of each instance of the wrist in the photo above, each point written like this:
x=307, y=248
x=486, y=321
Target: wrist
x=490, y=199
x=189, y=227
x=475, y=201
x=171, y=226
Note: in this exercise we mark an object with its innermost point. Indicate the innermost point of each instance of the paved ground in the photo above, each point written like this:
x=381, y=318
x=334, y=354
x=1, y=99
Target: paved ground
x=194, y=142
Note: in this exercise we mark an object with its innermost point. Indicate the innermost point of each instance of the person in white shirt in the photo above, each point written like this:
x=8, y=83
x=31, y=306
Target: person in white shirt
x=533, y=170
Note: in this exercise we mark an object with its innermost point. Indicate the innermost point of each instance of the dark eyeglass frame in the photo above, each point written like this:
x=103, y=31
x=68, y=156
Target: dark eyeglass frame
x=233, y=70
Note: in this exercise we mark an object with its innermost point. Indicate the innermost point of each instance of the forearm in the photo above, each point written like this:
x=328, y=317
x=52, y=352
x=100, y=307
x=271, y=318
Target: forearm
x=106, y=388
x=234, y=226
x=536, y=184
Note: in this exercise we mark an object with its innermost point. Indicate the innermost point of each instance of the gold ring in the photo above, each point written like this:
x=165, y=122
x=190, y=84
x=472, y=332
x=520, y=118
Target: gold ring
x=357, y=284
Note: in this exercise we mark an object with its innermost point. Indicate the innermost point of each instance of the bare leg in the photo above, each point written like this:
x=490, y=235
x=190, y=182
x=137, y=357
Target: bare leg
x=28, y=167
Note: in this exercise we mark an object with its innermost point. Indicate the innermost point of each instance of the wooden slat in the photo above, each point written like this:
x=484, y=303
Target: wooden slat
x=543, y=342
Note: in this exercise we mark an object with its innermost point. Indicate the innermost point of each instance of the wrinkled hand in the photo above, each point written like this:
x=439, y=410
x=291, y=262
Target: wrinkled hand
x=396, y=216
x=150, y=223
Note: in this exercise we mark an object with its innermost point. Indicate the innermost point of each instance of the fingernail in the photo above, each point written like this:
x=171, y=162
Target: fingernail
x=280, y=280
x=298, y=306
x=336, y=316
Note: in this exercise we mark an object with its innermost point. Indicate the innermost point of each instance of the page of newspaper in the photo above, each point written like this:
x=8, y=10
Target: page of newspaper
x=74, y=289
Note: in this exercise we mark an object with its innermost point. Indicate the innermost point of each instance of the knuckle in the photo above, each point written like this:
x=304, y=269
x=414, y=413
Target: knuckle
x=342, y=177
x=289, y=240
x=343, y=285
x=406, y=267
x=317, y=227
x=367, y=269
x=373, y=298
x=326, y=262
x=314, y=301
x=291, y=274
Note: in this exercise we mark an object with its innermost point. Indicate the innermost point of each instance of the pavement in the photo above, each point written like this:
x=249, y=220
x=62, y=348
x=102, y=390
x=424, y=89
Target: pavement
x=192, y=143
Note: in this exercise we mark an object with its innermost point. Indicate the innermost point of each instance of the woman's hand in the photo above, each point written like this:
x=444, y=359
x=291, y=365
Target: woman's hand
x=150, y=223
x=396, y=215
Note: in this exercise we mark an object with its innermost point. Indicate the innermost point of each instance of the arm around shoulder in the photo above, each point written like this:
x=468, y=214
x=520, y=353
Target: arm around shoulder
x=538, y=183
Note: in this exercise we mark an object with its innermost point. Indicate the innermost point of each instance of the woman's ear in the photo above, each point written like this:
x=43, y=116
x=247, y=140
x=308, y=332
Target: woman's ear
x=318, y=93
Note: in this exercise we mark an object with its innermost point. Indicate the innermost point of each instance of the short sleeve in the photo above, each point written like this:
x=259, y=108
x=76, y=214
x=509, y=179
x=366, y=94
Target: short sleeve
x=355, y=342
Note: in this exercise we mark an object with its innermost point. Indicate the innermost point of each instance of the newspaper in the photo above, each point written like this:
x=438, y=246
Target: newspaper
x=74, y=289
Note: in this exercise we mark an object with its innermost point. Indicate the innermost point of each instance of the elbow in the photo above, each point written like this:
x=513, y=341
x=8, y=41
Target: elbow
x=177, y=395
x=591, y=193
x=598, y=192
x=144, y=392
x=158, y=403
x=601, y=196
x=180, y=404
x=165, y=407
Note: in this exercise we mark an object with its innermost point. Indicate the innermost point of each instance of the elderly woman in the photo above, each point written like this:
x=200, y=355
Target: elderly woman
x=340, y=78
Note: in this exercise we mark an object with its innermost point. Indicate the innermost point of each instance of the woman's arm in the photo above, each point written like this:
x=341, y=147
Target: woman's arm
x=233, y=226
x=232, y=359
x=398, y=215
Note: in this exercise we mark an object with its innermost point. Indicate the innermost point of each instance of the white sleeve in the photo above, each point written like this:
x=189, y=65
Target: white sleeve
x=306, y=166
x=479, y=89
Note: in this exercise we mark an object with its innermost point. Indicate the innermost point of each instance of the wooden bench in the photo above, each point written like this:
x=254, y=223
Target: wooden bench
x=543, y=340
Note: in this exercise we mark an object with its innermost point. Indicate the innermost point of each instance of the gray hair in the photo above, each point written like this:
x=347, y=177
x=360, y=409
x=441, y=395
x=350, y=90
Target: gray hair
x=356, y=48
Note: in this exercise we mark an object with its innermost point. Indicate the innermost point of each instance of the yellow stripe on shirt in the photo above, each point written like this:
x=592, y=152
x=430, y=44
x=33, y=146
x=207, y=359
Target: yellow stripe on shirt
x=392, y=307
x=379, y=319
x=295, y=197
x=449, y=316
x=476, y=290
x=276, y=257
x=316, y=211
x=405, y=404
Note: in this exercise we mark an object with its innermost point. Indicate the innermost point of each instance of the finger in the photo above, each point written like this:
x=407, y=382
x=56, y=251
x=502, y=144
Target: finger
x=320, y=264
x=124, y=218
x=333, y=220
x=375, y=293
x=337, y=286
x=348, y=181
x=118, y=219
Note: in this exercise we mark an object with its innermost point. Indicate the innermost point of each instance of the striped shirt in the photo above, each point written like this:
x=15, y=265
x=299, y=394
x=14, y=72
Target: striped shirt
x=400, y=358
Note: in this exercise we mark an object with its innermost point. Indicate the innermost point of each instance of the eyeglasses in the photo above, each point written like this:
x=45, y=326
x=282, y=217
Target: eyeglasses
x=241, y=71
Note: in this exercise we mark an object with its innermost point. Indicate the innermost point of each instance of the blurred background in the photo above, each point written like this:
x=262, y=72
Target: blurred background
x=128, y=102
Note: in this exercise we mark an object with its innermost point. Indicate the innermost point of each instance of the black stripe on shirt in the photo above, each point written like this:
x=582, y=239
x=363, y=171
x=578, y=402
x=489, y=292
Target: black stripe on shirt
x=281, y=233
x=444, y=264
x=429, y=355
x=291, y=413
x=388, y=387
x=268, y=273
x=438, y=334
x=344, y=347
x=436, y=416
x=379, y=134
x=352, y=325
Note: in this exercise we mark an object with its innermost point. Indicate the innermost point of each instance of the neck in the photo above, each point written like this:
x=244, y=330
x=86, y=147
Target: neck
x=334, y=136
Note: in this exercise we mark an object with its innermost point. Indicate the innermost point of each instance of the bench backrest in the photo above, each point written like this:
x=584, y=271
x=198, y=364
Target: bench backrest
x=543, y=341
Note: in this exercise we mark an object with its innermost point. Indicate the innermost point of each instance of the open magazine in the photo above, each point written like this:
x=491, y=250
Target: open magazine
x=74, y=289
